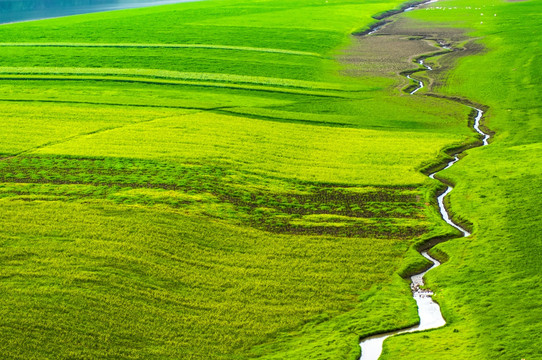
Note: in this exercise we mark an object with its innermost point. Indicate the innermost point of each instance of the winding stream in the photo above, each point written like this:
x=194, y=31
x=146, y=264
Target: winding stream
x=428, y=310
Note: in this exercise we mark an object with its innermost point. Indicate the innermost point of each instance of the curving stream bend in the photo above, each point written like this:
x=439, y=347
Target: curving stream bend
x=428, y=310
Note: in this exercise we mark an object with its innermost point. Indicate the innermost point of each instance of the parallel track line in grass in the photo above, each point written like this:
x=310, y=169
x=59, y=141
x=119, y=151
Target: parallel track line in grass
x=114, y=104
x=173, y=82
x=70, y=138
x=281, y=119
x=176, y=75
x=166, y=46
x=218, y=110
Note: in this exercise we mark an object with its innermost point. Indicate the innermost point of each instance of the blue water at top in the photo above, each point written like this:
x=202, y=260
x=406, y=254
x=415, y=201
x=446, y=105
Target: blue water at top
x=26, y=10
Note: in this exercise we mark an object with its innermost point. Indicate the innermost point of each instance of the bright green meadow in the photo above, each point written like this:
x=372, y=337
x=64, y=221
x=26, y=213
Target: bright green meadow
x=490, y=289
x=205, y=181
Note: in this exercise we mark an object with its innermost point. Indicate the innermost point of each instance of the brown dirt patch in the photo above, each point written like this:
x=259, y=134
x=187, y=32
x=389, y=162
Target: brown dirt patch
x=394, y=48
x=415, y=28
x=382, y=55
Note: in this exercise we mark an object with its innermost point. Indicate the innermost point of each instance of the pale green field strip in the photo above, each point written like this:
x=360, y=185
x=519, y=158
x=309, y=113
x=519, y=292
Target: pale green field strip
x=141, y=94
x=289, y=116
x=168, y=82
x=87, y=133
x=198, y=138
x=255, y=113
x=70, y=102
x=34, y=125
x=143, y=80
x=165, y=46
x=306, y=118
x=168, y=74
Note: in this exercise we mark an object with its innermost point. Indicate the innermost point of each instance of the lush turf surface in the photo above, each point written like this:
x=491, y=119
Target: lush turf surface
x=203, y=181
x=490, y=288
x=132, y=282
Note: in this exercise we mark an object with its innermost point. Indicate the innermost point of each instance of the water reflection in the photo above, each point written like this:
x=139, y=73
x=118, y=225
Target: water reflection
x=24, y=10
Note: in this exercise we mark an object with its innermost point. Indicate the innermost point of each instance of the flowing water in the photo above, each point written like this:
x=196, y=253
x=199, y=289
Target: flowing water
x=26, y=10
x=428, y=310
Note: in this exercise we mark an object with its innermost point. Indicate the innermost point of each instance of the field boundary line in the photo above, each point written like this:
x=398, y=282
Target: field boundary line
x=74, y=102
x=97, y=131
x=167, y=46
x=176, y=75
x=261, y=88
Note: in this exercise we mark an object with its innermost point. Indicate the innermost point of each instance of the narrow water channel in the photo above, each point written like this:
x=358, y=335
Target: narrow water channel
x=428, y=310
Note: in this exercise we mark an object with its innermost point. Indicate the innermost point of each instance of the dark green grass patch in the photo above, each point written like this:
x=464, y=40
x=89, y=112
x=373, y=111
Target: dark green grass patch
x=292, y=207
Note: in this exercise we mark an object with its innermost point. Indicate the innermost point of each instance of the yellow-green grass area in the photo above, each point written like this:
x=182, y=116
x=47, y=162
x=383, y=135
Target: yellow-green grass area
x=97, y=280
x=490, y=288
x=93, y=198
x=30, y=126
x=257, y=167
x=242, y=144
x=179, y=183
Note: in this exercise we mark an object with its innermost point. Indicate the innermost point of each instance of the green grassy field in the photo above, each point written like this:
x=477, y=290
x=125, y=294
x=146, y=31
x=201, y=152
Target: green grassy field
x=490, y=288
x=204, y=181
